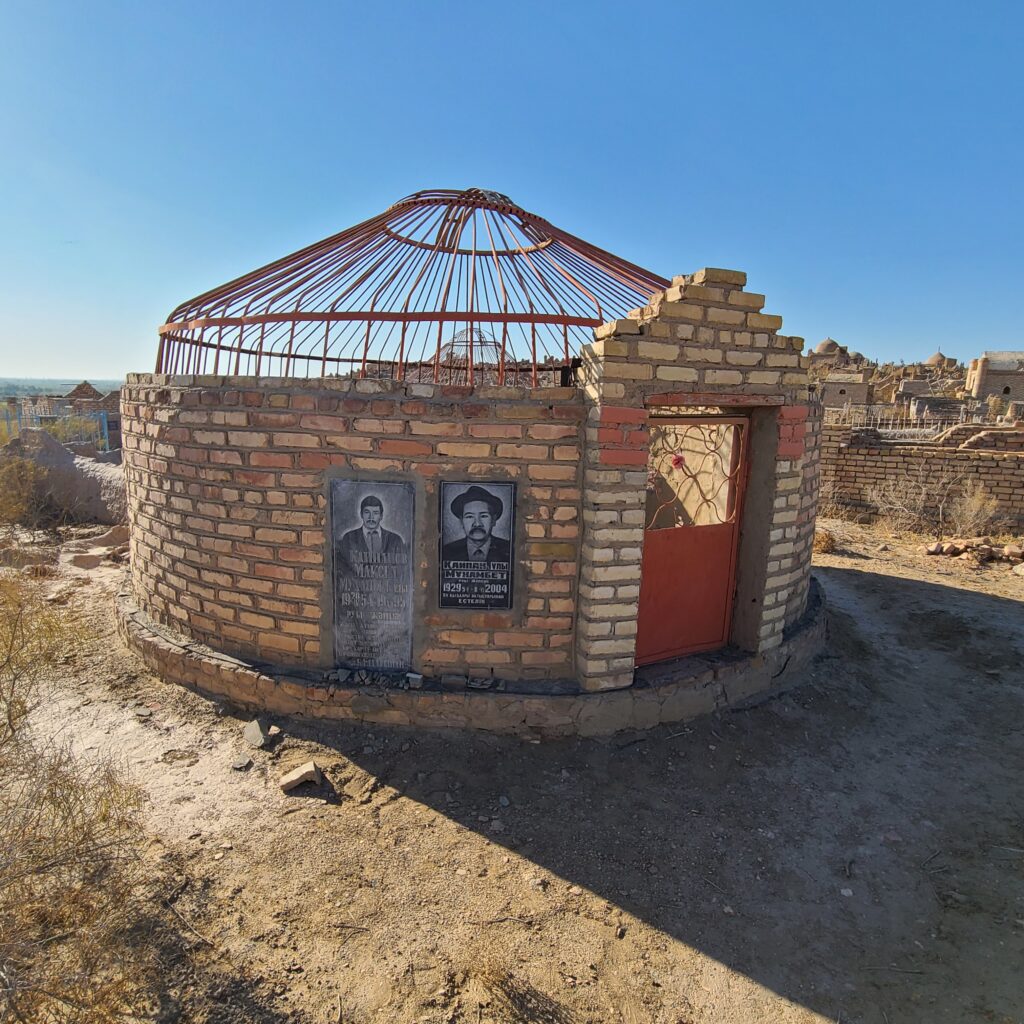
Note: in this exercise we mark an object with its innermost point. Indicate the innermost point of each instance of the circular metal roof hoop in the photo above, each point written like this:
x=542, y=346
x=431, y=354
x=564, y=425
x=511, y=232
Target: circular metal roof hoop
x=446, y=286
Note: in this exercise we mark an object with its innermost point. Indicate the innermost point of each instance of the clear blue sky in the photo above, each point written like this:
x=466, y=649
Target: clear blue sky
x=862, y=162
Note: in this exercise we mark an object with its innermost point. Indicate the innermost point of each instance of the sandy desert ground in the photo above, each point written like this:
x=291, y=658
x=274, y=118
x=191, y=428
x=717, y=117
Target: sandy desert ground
x=851, y=851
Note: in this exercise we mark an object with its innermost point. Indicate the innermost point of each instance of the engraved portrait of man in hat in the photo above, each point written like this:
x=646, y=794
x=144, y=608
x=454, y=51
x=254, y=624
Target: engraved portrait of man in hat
x=478, y=511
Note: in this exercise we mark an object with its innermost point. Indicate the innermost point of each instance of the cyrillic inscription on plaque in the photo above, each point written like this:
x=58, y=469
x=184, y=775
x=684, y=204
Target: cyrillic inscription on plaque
x=477, y=531
x=372, y=524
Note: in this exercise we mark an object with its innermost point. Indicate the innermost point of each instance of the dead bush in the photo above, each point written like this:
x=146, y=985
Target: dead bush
x=515, y=1000
x=939, y=505
x=32, y=638
x=833, y=503
x=824, y=542
x=72, y=887
x=973, y=512
x=22, y=493
x=829, y=505
x=71, y=880
x=995, y=407
x=75, y=428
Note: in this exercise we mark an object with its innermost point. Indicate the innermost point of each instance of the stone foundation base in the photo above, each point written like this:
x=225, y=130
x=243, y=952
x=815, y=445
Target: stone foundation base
x=671, y=692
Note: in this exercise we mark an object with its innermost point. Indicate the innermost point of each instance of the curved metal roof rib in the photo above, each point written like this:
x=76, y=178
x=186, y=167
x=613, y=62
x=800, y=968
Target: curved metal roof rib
x=445, y=286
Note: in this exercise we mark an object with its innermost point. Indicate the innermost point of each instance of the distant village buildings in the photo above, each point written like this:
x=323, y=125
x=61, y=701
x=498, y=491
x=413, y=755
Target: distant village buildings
x=83, y=400
x=937, y=389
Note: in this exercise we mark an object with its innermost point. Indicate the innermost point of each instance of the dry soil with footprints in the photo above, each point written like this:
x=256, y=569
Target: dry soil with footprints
x=852, y=851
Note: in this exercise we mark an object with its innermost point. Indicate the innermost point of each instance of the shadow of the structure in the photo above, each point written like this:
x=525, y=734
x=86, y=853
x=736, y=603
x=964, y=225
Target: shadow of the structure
x=834, y=844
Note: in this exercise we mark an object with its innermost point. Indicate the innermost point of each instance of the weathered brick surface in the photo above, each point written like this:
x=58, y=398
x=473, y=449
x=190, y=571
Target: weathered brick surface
x=852, y=465
x=984, y=380
x=796, y=517
x=700, y=343
x=689, y=691
x=227, y=481
x=974, y=435
x=996, y=441
x=227, y=491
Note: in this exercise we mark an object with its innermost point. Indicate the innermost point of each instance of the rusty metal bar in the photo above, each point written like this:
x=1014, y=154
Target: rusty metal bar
x=384, y=287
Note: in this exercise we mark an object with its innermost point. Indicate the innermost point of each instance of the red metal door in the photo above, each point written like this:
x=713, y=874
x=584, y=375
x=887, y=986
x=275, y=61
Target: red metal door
x=696, y=475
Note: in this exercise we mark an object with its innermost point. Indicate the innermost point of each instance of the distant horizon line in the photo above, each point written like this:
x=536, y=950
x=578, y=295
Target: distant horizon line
x=71, y=377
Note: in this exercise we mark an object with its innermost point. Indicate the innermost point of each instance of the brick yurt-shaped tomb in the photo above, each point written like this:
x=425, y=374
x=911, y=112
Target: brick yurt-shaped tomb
x=457, y=467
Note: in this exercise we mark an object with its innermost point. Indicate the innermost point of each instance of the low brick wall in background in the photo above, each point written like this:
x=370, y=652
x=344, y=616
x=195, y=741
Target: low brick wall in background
x=851, y=467
x=1011, y=440
x=227, y=496
x=960, y=434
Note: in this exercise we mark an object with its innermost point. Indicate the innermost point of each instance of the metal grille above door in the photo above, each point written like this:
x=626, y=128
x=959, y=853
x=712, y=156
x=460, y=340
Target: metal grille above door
x=697, y=471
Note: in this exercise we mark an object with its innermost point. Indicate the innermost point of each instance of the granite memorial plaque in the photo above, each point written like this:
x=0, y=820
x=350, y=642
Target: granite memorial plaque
x=477, y=527
x=372, y=531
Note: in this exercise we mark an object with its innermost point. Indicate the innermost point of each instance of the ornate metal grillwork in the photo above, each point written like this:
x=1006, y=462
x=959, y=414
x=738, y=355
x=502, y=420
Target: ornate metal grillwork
x=694, y=473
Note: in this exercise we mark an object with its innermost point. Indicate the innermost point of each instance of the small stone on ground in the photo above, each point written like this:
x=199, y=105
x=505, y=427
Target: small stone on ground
x=255, y=734
x=308, y=772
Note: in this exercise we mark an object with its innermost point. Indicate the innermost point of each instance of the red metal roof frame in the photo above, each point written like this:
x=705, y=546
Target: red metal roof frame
x=445, y=286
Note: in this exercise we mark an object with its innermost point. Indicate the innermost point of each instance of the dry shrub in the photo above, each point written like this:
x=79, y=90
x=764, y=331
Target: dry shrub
x=829, y=499
x=22, y=493
x=973, y=512
x=833, y=502
x=996, y=407
x=918, y=502
x=32, y=637
x=903, y=504
x=72, y=885
x=516, y=1001
x=824, y=542
x=75, y=428
x=71, y=881
x=941, y=505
